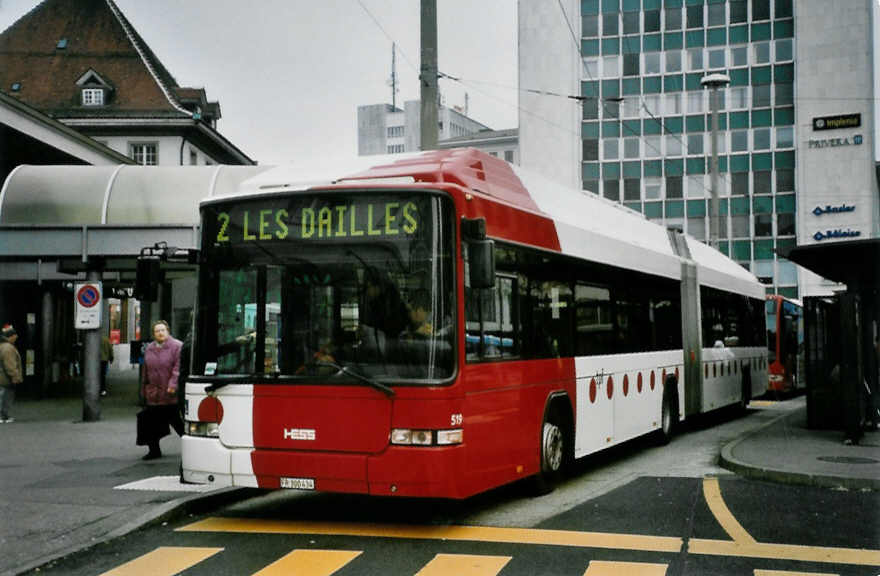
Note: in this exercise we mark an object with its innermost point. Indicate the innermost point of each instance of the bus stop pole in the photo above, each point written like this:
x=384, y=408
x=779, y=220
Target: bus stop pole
x=92, y=366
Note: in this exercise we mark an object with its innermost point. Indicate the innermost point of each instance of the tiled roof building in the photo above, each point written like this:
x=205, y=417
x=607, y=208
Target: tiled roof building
x=83, y=63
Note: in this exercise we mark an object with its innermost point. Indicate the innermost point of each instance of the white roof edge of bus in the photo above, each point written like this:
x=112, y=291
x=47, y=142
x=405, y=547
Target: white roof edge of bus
x=719, y=271
x=323, y=172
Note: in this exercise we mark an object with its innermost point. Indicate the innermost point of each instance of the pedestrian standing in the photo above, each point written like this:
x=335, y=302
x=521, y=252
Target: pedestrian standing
x=160, y=381
x=10, y=371
x=106, y=359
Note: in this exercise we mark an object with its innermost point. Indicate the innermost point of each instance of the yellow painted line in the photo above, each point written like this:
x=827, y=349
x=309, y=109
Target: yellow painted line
x=786, y=573
x=712, y=492
x=163, y=561
x=764, y=404
x=852, y=556
x=603, y=568
x=464, y=565
x=310, y=563
x=457, y=533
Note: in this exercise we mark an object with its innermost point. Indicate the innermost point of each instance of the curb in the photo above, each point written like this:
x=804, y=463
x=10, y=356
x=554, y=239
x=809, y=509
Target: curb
x=192, y=503
x=729, y=462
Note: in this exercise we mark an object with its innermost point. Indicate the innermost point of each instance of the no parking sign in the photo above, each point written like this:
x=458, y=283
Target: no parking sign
x=87, y=297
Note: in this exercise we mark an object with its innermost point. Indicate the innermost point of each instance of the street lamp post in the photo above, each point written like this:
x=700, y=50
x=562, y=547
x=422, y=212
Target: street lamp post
x=714, y=81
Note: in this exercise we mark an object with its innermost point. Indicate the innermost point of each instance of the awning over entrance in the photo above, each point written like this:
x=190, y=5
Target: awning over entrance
x=850, y=262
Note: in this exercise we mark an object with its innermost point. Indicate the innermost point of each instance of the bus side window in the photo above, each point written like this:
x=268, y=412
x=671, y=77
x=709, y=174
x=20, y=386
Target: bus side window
x=490, y=327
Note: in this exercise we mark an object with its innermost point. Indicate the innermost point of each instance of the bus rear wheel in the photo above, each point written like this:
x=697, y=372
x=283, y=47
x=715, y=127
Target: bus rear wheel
x=668, y=414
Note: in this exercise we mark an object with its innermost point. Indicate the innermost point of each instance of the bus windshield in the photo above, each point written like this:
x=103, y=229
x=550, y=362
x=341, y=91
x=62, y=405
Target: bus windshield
x=326, y=285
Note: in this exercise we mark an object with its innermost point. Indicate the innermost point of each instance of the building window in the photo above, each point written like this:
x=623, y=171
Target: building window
x=740, y=225
x=784, y=94
x=193, y=157
x=695, y=144
x=508, y=155
x=784, y=181
x=739, y=97
x=673, y=18
x=652, y=104
x=632, y=189
x=696, y=186
x=631, y=147
x=673, y=145
x=739, y=141
x=673, y=103
x=652, y=147
x=143, y=153
x=785, y=224
x=717, y=14
x=760, y=10
x=673, y=187
x=695, y=102
x=611, y=190
x=761, y=96
x=631, y=22
x=93, y=96
x=695, y=16
x=610, y=67
x=785, y=137
x=716, y=58
x=631, y=64
x=395, y=148
x=589, y=26
x=784, y=51
x=652, y=21
x=695, y=58
x=610, y=24
x=673, y=61
x=739, y=56
x=610, y=149
x=631, y=107
x=739, y=11
x=697, y=227
x=762, y=182
x=397, y=131
x=591, y=67
x=763, y=225
x=652, y=63
x=653, y=188
x=761, y=53
x=739, y=184
x=761, y=139
x=591, y=150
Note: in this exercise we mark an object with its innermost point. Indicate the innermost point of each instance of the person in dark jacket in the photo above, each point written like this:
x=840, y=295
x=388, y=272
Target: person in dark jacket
x=160, y=382
x=10, y=371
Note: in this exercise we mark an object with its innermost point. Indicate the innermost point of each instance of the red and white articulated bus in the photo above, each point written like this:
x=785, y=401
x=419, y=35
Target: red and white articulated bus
x=785, y=342
x=438, y=324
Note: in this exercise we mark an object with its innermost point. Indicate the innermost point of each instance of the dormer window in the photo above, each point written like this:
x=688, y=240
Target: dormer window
x=94, y=90
x=93, y=96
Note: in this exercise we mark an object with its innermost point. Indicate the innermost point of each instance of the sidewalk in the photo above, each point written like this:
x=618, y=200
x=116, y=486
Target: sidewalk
x=59, y=477
x=786, y=451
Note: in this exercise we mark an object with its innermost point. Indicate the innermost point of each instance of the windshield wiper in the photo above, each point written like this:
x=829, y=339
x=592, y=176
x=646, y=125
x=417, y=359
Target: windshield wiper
x=343, y=370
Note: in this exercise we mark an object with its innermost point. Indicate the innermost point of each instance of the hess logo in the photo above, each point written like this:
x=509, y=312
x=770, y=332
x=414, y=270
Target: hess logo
x=299, y=434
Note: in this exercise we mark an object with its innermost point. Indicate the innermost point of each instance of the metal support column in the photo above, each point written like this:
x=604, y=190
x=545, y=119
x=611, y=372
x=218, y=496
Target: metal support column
x=92, y=366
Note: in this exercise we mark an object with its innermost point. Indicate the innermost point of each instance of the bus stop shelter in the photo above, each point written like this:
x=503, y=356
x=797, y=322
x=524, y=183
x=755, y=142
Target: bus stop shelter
x=842, y=334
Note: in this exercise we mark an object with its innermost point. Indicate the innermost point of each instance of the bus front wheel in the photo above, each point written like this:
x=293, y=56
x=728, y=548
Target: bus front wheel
x=554, y=450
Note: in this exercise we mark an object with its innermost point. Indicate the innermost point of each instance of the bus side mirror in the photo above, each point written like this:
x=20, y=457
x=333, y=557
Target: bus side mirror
x=481, y=263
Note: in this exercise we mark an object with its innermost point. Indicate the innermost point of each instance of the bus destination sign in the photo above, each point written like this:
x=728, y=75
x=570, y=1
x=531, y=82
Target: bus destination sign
x=314, y=221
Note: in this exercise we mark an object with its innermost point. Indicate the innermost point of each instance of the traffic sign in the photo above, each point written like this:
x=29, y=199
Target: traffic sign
x=87, y=298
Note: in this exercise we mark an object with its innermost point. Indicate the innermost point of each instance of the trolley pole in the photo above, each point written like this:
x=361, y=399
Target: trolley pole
x=428, y=75
x=714, y=81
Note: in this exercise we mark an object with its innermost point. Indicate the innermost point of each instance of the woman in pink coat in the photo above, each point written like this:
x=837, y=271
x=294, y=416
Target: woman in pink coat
x=161, y=371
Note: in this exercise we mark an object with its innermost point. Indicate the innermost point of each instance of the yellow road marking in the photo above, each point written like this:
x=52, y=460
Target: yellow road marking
x=163, y=561
x=464, y=565
x=603, y=568
x=854, y=556
x=310, y=563
x=712, y=492
x=786, y=573
x=469, y=533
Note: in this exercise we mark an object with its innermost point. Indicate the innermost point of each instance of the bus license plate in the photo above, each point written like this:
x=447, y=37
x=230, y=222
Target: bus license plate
x=298, y=483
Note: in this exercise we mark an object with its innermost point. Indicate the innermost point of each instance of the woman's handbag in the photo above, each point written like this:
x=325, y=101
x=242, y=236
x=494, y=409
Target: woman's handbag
x=151, y=426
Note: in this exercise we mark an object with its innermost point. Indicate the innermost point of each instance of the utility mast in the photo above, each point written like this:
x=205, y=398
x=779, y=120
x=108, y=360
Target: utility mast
x=428, y=75
x=393, y=81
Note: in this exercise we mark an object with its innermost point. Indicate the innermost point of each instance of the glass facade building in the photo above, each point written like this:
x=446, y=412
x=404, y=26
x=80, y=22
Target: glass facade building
x=646, y=119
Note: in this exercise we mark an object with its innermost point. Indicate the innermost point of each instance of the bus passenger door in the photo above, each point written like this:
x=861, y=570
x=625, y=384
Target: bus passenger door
x=691, y=338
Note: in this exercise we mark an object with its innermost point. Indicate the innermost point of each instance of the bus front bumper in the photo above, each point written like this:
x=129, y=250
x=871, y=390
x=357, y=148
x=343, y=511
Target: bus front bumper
x=427, y=472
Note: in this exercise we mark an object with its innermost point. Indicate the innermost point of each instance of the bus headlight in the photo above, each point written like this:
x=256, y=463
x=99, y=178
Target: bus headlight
x=410, y=437
x=210, y=429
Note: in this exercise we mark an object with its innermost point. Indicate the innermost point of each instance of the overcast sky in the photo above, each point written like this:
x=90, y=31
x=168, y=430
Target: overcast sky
x=290, y=74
